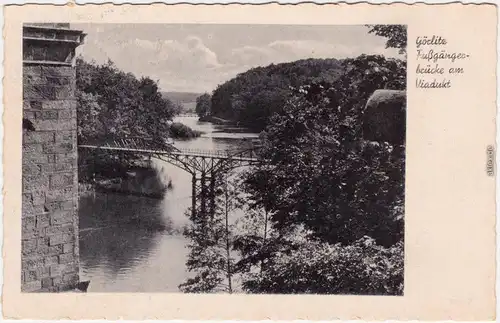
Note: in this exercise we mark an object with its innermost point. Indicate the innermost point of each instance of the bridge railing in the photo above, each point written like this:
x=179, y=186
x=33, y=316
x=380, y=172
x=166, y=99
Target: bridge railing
x=190, y=115
x=201, y=152
x=144, y=145
x=137, y=143
x=219, y=153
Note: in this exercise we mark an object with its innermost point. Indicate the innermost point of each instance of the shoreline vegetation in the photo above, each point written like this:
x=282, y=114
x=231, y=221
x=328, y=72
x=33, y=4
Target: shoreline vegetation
x=217, y=120
x=323, y=215
x=115, y=104
x=182, y=132
x=141, y=181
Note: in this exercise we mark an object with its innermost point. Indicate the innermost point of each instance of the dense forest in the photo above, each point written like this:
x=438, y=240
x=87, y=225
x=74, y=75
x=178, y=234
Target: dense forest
x=112, y=104
x=325, y=212
x=250, y=98
x=253, y=96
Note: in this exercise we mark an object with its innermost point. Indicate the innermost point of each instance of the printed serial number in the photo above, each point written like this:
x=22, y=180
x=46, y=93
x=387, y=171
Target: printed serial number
x=490, y=160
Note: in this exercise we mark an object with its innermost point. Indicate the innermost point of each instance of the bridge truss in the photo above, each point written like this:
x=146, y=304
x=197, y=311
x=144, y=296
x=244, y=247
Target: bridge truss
x=205, y=166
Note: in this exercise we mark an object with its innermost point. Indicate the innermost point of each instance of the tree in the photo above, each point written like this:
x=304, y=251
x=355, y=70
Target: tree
x=180, y=130
x=203, y=105
x=89, y=124
x=253, y=96
x=113, y=105
x=211, y=237
x=396, y=35
x=324, y=213
x=321, y=172
x=289, y=261
x=305, y=266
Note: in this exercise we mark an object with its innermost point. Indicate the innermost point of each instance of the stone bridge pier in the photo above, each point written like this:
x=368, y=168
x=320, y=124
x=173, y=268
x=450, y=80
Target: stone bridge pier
x=50, y=253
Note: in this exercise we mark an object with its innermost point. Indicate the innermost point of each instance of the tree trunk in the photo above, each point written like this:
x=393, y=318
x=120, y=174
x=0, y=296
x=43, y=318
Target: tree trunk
x=228, y=244
x=265, y=237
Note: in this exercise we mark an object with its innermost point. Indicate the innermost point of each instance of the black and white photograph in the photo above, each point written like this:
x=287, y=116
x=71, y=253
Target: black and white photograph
x=212, y=158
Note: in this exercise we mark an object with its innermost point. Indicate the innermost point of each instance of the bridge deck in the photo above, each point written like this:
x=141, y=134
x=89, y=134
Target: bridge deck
x=219, y=154
x=190, y=115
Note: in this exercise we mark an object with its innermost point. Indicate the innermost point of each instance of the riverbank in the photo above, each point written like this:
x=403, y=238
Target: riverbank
x=141, y=181
x=130, y=243
x=181, y=131
x=138, y=178
x=217, y=121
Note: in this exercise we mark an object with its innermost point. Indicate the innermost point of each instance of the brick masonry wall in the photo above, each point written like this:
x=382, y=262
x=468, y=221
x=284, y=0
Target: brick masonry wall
x=50, y=184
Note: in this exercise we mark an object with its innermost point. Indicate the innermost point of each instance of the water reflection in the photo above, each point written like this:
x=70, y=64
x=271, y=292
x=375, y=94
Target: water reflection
x=114, y=209
x=134, y=244
x=125, y=241
x=128, y=260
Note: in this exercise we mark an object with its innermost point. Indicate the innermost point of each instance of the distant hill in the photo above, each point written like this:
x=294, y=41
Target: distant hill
x=253, y=96
x=181, y=97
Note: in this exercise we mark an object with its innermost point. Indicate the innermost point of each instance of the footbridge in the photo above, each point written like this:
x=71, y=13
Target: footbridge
x=205, y=166
x=188, y=115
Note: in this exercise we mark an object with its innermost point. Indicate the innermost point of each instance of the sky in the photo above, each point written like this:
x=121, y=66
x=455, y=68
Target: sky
x=196, y=58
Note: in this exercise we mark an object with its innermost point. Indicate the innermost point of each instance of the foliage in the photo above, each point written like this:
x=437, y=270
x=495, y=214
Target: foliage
x=203, y=105
x=321, y=172
x=302, y=265
x=325, y=212
x=211, y=248
x=89, y=123
x=396, y=35
x=253, y=96
x=180, y=130
x=365, y=74
x=112, y=104
x=128, y=107
x=289, y=260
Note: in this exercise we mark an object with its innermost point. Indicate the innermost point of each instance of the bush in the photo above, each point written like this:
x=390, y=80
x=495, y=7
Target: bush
x=312, y=267
x=181, y=131
x=323, y=175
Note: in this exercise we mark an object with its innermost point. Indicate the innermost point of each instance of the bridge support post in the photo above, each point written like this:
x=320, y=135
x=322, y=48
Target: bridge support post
x=193, y=197
x=203, y=194
x=213, y=179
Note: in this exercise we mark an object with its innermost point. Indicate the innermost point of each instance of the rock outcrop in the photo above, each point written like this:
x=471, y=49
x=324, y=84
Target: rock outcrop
x=384, y=117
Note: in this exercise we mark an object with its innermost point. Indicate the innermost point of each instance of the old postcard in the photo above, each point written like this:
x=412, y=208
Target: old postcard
x=250, y=162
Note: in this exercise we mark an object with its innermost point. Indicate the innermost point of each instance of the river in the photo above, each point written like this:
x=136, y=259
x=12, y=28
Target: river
x=117, y=255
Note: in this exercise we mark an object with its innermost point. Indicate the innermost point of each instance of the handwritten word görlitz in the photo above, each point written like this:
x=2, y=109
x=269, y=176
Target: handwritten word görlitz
x=434, y=41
